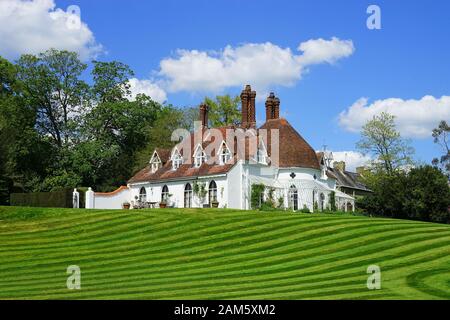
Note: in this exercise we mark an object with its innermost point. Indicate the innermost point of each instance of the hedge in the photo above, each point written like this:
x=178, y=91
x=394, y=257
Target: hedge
x=56, y=199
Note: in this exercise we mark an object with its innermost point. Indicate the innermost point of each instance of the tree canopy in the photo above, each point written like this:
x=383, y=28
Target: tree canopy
x=380, y=139
x=63, y=127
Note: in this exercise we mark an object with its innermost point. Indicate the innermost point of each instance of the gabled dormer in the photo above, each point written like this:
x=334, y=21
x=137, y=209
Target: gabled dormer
x=224, y=154
x=177, y=159
x=155, y=162
x=261, y=155
x=199, y=156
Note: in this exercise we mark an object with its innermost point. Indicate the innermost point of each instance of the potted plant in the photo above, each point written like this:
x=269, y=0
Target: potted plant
x=200, y=191
x=126, y=205
x=165, y=201
x=163, y=204
x=215, y=204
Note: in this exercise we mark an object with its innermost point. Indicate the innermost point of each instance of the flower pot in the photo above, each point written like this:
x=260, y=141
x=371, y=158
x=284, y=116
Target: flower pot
x=215, y=204
x=126, y=206
x=162, y=205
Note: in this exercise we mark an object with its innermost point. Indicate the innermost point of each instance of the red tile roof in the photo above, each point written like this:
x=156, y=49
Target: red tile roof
x=294, y=151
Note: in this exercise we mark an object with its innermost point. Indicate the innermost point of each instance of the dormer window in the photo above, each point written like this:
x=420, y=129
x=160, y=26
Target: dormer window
x=177, y=160
x=261, y=156
x=224, y=154
x=155, y=162
x=155, y=166
x=199, y=157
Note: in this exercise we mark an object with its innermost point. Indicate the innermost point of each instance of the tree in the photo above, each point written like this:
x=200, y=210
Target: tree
x=52, y=86
x=428, y=195
x=111, y=81
x=380, y=138
x=421, y=194
x=223, y=110
x=159, y=133
x=441, y=137
x=24, y=154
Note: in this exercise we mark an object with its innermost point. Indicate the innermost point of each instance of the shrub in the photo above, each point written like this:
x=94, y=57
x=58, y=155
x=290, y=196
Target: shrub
x=305, y=209
x=256, y=194
x=333, y=201
x=56, y=199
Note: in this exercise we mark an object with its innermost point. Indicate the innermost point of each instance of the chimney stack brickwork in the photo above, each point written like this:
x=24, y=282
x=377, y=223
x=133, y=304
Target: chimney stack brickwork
x=272, y=107
x=204, y=115
x=248, y=107
x=339, y=165
x=248, y=98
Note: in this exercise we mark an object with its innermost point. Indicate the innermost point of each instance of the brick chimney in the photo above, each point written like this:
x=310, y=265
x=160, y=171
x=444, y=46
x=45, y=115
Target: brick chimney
x=204, y=115
x=248, y=107
x=276, y=108
x=272, y=107
x=339, y=165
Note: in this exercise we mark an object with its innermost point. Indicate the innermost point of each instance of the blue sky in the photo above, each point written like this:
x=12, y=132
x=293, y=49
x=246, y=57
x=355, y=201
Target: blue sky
x=407, y=59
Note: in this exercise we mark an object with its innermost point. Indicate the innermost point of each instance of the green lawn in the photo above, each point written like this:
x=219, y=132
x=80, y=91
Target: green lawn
x=218, y=254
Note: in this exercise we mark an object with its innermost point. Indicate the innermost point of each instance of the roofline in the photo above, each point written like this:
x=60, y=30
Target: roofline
x=185, y=178
x=178, y=179
x=350, y=187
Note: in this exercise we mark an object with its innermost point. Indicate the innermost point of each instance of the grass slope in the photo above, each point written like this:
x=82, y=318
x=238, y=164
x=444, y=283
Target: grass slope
x=218, y=254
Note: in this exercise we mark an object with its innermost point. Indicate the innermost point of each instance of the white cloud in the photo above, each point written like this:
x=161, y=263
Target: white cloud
x=352, y=159
x=414, y=118
x=37, y=25
x=147, y=87
x=260, y=64
x=320, y=50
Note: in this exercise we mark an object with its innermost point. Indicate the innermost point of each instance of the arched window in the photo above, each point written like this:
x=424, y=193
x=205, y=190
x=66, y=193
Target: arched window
x=293, y=197
x=188, y=196
x=142, y=195
x=212, y=192
x=165, y=193
x=349, y=207
x=322, y=202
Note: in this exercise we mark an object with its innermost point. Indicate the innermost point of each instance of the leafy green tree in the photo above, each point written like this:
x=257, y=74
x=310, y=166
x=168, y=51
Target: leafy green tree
x=441, y=136
x=52, y=86
x=24, y=154
x=117, y=130
x=380, y=138
x=111, y=81
x=421, y=194
x=223, y=110
x=428, y=195
x=159, y=133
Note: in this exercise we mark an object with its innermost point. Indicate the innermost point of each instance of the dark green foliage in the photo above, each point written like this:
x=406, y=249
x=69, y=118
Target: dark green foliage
x=58, y=131
x=305, y=209
x=333, y=201
x=421, y=194
x=224, y=110
x=257, y=195
x=55, y=199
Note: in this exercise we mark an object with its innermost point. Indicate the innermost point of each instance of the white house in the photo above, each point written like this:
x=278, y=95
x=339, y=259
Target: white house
x=219, y=166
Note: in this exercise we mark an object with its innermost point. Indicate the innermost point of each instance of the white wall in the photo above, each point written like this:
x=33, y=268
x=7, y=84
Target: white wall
x=176, y=189
x=235, y=187
x=112, y=200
